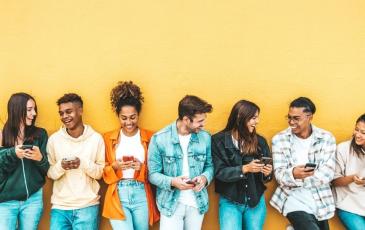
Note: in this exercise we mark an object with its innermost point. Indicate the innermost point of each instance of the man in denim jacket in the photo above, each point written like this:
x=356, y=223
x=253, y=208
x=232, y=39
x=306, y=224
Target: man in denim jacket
x=180, y=165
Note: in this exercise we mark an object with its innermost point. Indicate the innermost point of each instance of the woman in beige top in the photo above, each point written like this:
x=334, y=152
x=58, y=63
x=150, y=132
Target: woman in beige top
x=349, y=182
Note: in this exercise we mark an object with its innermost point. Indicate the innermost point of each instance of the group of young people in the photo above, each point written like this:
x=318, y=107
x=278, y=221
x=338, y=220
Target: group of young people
x=180, y=161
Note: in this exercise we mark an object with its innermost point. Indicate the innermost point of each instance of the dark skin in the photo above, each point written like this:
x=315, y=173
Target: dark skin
x=300, y=122
x=71, y=116
x=128, y=117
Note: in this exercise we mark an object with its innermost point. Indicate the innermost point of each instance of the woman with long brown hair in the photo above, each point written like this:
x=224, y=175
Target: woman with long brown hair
x=241, y=165
x=23, y=165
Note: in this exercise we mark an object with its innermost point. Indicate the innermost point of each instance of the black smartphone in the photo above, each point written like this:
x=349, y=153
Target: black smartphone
x=26, y=147
x=266, y=160
x=310, y=166
x=188, y=181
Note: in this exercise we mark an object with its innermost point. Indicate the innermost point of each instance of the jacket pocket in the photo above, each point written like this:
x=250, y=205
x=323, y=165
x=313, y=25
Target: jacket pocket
x=200, y=159
x=169, y=165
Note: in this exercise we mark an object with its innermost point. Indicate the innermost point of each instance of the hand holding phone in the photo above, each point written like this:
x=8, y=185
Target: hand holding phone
x=189, y=181
x=266, y=160
x=71, y=162
x=24, y=147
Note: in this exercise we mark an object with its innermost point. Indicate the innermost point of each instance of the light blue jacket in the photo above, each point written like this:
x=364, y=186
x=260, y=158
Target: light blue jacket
x=165, y=159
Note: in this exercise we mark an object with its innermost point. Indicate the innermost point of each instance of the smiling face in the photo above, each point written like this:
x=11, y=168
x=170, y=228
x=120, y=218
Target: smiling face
x=253, y=122
x=71, y=115
x=31, y=112
x=128, y=117
x=359, y=134
x=196, y=124
x=299, y=121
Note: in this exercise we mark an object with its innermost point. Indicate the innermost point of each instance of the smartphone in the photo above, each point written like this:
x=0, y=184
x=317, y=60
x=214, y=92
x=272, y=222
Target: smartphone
x=128, y=158
x=266, y=160
x=310, y=166
x=189, y=181
x=26, y=147
x=69, y=158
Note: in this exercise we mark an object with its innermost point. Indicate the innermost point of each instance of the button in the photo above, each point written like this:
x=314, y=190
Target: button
x=249, y=198
x=241, y=175
x=246, y=185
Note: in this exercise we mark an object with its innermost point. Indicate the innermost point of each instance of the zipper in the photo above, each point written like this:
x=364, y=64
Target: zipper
x=25, y=180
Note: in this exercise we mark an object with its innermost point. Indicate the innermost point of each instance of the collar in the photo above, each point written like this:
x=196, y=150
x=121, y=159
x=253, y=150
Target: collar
x=228, y=142
x=175, y=135
x=114, y=136
x=317, y=134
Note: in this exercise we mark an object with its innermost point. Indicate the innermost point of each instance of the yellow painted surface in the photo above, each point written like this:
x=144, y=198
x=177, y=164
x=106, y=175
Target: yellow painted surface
x=266, y=51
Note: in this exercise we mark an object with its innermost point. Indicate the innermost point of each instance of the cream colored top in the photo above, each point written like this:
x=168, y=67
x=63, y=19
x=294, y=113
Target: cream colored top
x=350, y=198
x=76, y=188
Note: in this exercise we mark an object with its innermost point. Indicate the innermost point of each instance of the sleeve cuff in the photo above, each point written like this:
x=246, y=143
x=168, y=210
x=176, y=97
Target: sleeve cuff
x=59, y=168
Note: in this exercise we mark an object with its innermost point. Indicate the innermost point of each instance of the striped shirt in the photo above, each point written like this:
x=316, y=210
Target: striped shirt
x=321, y=152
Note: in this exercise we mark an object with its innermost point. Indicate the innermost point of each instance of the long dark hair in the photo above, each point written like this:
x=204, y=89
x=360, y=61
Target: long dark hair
x=354, y=148
x=17, y=112
x=240, y=115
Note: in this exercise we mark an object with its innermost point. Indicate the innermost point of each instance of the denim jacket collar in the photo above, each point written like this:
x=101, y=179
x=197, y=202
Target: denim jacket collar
x=175, y=135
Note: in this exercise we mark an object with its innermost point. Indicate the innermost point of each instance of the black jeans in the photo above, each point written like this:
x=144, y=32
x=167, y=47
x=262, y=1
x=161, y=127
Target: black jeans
x=304, y=221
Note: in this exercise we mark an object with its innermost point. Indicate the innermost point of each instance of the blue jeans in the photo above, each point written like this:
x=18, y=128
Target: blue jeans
x=234, y=216
x=133, y=199
x=26, y=213
x=351, y=220
x=77, y=219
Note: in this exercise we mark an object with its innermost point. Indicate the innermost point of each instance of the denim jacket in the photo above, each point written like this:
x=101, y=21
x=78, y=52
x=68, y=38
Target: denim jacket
x=165, y=159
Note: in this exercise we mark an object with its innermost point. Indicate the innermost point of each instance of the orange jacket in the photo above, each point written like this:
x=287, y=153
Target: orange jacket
x=112, y=208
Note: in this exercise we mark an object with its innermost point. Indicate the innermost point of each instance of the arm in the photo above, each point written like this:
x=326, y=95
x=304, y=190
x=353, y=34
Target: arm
x=8, y=162
x=326, y=169
x=208, y=165
x=55, y=170
x=94, y=168
x=155, y=167
x=43, y=164
x=223, y=171
x=283, y=173
x=266, y=153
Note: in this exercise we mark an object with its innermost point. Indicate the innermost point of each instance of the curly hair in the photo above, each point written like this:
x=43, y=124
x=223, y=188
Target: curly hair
x=126, y=93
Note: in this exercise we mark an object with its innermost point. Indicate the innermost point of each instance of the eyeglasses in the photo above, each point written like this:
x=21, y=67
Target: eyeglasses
x=296, y=119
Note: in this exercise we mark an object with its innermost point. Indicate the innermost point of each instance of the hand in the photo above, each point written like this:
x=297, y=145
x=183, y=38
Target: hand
x=253, y=167
x=136, y=164
x=358, y=180
x=122, y=165
x=267, y=169
x=179, y=183
x=20, y=153
x=74, y=164
x=300, y=172
x=33, y=154
x=200, y=182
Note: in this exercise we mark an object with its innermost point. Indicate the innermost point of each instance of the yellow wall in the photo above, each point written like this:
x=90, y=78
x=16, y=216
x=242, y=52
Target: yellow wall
x=266, y=51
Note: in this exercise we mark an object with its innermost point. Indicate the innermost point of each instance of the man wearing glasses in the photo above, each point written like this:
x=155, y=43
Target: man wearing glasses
x=304, y=164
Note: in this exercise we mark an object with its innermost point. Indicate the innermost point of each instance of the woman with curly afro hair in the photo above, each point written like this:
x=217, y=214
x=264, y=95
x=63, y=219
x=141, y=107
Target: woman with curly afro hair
x=129, y=201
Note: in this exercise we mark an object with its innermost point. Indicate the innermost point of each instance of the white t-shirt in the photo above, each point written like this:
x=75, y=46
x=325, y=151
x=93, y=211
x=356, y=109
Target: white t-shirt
x=130, y=146
x=187, y=197
x=301, y=199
